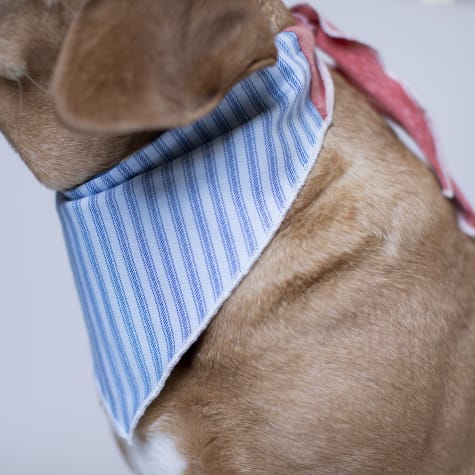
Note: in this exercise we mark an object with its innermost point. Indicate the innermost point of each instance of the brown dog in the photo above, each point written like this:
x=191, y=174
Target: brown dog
x=373, y=284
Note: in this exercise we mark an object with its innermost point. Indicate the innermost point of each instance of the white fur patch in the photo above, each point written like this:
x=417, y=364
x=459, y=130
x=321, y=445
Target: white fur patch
x=12, y=66
x=12, y=71
x=157, y=456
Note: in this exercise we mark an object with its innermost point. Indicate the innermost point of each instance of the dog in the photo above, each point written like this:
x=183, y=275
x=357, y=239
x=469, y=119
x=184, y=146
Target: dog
x=350, y=345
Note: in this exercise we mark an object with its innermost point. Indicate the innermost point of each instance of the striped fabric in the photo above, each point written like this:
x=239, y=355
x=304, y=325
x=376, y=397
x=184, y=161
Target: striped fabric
x=159, y=242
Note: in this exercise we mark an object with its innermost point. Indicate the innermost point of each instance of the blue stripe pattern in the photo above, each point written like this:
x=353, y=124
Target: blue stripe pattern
x=158, y=243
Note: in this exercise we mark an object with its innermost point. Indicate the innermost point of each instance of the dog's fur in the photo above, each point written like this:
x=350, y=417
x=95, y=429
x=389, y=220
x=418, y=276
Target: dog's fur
x=350, y=347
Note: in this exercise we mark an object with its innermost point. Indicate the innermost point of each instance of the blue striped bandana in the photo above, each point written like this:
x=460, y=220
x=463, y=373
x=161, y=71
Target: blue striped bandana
x=158, y=243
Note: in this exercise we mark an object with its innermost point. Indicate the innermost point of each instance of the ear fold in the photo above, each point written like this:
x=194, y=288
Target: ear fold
x=136, y=65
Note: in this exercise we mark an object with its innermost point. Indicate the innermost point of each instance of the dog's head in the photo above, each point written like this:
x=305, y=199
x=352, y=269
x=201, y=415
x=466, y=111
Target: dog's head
x=84, y=82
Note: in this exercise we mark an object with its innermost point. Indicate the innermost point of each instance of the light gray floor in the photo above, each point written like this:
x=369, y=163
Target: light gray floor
x=52, y=423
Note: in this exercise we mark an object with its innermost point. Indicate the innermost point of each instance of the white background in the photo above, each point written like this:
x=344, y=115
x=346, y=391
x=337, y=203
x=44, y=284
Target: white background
x=51, y=421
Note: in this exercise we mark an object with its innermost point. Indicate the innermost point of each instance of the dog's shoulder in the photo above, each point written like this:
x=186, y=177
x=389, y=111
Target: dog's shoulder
x=376, y=183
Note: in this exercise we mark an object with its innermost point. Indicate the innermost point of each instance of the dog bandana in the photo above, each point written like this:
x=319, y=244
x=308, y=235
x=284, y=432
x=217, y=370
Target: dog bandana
x=158, y=243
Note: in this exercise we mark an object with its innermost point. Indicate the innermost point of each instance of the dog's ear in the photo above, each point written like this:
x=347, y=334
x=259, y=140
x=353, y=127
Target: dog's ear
x=137, y=65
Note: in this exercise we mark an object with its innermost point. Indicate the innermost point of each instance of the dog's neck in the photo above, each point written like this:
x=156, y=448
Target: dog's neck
x=59, y=157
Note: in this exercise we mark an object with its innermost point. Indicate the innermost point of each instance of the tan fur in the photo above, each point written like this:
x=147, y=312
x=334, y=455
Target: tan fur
x=350, y=347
